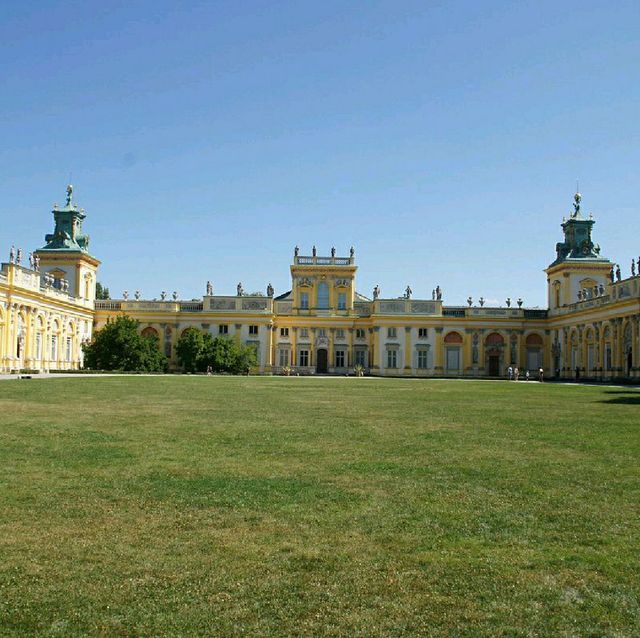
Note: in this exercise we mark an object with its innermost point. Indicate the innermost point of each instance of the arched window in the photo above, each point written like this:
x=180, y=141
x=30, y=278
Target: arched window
x=150, y=332
x=494, y=339
x=453, y=338
x=323, y=295
x=534, y=340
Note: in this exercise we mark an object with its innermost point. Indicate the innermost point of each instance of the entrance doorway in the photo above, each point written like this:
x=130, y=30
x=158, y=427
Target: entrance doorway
x=629, y=362
x=321, y=361
x=494, y=365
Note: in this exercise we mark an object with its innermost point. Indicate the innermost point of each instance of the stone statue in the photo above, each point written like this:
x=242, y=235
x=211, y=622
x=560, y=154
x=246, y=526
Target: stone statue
x=470, y=301
x=433, y=294
x=163, y=295
x=18, y=256
x=633, y=267
x=576, y=204
x=314, y=252
x=352, y=252
x=333, y=251
x=12, y=254
x=296, y=251
x=240, y=289
x=508, y=302
x=612, y=275
x=519, y=302
x=125, y=295
x=69, y=194
x=175, y=295
x=31, y=262
x=594, y=292
x=438, y=293
x=376, y=292
x=137, y=295
x=579, y=295
x=269, y=290
x=618, y=275
x=481, y=301
x=601, y=289
x=36, y=262
x=407, y=292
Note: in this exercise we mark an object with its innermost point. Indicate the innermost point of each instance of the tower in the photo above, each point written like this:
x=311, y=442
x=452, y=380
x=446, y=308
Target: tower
x=578, y=271
x=65, y=257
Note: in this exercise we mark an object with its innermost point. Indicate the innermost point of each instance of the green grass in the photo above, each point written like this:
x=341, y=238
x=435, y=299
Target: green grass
x=186, y=506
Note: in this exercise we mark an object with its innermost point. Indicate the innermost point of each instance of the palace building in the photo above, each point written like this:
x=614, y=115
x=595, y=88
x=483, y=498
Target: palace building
x=323, y=325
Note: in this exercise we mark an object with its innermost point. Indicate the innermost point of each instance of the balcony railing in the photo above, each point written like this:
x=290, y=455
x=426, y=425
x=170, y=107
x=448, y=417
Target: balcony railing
x=310, y=260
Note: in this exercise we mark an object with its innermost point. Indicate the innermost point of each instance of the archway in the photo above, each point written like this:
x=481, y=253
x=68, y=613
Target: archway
x=533, y=344
x=494, y=345
x=321, y=361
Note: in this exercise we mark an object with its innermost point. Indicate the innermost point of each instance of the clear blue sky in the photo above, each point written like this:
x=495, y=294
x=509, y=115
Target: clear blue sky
x=205, y=140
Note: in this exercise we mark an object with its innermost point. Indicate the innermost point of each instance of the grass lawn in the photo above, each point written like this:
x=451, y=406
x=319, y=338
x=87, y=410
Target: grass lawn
x=195, y=506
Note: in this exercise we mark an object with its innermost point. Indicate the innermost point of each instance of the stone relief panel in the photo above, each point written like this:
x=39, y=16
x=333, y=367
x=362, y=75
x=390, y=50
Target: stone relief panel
x=392, y=307
x=423, y=307
x=253, y=304
x=222, y=304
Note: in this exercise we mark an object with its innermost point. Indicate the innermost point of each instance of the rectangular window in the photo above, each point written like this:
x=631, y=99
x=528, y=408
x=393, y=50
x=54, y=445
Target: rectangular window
x=392, y=333
x=361, y=358
x=284, y=332
x=54, y=347
x=304, y=333
x=304, y=300
x=422, y=333
x=340, y=358
x=359, y=333
x=342, y=301
x=39, y=346
x=68, y=352
x=422, y=359
x=607, y=358
x=284, y=358
x=322, y=332
x=339, y=333
x=392, y=358
x=223, y=329
x=304, y=358
x=253, y=330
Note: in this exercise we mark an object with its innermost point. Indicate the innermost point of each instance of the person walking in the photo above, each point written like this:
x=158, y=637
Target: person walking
x=516, y=373
x=526, y=375
x=510, y=373
x=541, y=375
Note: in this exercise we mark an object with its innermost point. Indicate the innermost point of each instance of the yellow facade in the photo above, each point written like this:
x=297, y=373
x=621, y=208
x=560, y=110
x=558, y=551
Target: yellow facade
x=591, y=328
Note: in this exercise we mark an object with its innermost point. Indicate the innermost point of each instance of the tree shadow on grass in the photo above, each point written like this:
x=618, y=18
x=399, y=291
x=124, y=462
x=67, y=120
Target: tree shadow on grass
x=623, y=397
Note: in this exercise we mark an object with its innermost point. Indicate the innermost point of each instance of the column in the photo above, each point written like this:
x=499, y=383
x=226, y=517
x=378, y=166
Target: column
x=439, y=354
x=331, y=363
x=374, y=356
x=294, y=351
x=408, y=354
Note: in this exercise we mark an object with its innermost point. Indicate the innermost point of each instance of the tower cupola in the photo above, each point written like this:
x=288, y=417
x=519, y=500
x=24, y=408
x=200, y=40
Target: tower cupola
x=67, y=234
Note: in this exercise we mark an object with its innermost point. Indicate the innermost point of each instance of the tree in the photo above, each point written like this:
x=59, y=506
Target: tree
x=198, y=351
x=189, y=349
x=102, y=292
x=120, y=346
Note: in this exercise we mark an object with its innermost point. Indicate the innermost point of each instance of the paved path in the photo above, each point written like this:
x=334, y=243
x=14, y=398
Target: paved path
x=62, y=375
